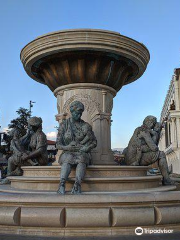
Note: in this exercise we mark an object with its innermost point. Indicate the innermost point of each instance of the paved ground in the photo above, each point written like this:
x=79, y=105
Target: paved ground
x=145, y=237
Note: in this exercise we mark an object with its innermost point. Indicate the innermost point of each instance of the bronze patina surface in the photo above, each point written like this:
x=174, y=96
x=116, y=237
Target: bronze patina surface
x=76, y=139
x=84, y=56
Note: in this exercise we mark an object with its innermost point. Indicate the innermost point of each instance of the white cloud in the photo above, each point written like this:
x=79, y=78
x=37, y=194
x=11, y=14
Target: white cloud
x=5, y=129
x=51, y=135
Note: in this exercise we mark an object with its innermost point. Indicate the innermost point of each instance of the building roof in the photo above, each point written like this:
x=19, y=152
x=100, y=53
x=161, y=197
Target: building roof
x=50, y=142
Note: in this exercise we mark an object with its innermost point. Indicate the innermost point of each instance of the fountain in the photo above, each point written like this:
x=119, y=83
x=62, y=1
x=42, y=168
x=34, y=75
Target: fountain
x=90, y=66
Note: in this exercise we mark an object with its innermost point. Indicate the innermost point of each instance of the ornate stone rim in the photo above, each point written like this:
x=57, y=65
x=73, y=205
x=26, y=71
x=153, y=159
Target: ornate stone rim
x=101, y=180
x=84, y=39
x=84, y=85
x=90, y=167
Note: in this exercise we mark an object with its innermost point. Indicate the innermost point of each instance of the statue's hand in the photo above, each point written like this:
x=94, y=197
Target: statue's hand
x=155, y=148
x=142, y=134
x=71, y=148
x=24, y=157
x=74, y=148
x=84, y=149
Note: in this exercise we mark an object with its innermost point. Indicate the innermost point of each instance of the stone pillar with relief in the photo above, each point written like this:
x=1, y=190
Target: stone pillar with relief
x=98, y=102
x=173, y=132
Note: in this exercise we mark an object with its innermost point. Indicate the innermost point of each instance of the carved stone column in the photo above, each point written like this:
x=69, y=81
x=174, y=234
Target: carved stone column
x=98, y=102
x=162, y=141
x=102, y=155
x=178, y=131
x=176, y=94
x=173, y=136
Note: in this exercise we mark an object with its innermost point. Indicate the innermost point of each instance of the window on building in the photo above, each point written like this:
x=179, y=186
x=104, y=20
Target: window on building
x=169, y=134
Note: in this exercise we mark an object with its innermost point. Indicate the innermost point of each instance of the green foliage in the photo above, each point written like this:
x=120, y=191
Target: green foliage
x=21, y=122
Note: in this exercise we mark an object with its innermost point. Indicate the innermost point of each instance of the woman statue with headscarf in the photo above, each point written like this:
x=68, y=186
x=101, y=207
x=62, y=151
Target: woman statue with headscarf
x=38, y=142
x=76, y=139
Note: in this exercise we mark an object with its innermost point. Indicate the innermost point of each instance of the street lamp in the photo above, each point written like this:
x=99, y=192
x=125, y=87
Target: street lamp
x=31, y=105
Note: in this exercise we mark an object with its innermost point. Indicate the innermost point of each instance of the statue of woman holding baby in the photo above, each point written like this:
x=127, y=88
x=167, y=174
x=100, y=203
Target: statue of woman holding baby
x=76, y=139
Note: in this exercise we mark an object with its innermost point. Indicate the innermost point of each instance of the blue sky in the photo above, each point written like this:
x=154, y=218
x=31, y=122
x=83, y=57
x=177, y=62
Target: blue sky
x=155, y=23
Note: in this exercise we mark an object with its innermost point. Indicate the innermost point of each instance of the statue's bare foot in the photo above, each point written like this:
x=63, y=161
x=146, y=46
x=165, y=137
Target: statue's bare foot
x=61, y=189
x=33, y=163
x=169, y=182
x=5, y=181
x=136, y=163
x=16, y=172
x=76, y=188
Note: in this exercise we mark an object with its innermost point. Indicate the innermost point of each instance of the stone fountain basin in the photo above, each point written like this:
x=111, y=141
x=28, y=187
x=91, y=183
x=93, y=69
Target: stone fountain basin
x=84, y=56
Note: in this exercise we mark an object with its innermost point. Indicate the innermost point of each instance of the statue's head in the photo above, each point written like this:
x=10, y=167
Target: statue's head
x=150, y=121
x=76, y=109
x=158, y=127
x=34, y=123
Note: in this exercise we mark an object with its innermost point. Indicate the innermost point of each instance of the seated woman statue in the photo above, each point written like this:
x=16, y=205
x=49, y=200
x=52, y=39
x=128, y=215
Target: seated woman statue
x=76, y=139
x=143, y=148
x=18, y=150
x=36, y=154
x=38, y=143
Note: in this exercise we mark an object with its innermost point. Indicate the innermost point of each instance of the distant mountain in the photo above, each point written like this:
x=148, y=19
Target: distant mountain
x=118, y=149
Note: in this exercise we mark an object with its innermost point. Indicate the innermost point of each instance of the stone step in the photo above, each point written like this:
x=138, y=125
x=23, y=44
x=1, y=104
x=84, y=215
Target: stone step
x=89, y=184
x=92, y=171
x=9, y=189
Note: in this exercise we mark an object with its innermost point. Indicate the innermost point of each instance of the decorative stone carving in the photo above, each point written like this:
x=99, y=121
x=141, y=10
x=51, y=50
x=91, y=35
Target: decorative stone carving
x=85, y=55
x=109, y=106
x=91, y=105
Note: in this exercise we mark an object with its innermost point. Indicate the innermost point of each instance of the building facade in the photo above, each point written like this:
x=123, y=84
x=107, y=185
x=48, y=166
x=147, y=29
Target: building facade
x=170, y=118
x=52, y=151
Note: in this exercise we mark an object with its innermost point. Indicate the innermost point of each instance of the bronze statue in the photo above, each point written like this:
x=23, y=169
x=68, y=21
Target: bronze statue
x=18, y=151
x=76, y=139
x=36, y=154
x=38, y=142
x=143, y=148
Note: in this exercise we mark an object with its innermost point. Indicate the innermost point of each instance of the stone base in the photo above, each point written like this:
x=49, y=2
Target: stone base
x=93, y=171
x=115, y=200
x=89, y=184
x=88, y=215
x=98, y=179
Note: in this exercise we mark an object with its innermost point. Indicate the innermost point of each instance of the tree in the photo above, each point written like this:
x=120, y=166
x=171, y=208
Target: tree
x=21, y=122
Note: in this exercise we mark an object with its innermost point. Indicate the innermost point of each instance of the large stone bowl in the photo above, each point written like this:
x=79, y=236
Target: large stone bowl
x=84, y=56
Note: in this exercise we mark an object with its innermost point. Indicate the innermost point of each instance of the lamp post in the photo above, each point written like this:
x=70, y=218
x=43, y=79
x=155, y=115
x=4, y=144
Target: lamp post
x=31, y=105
